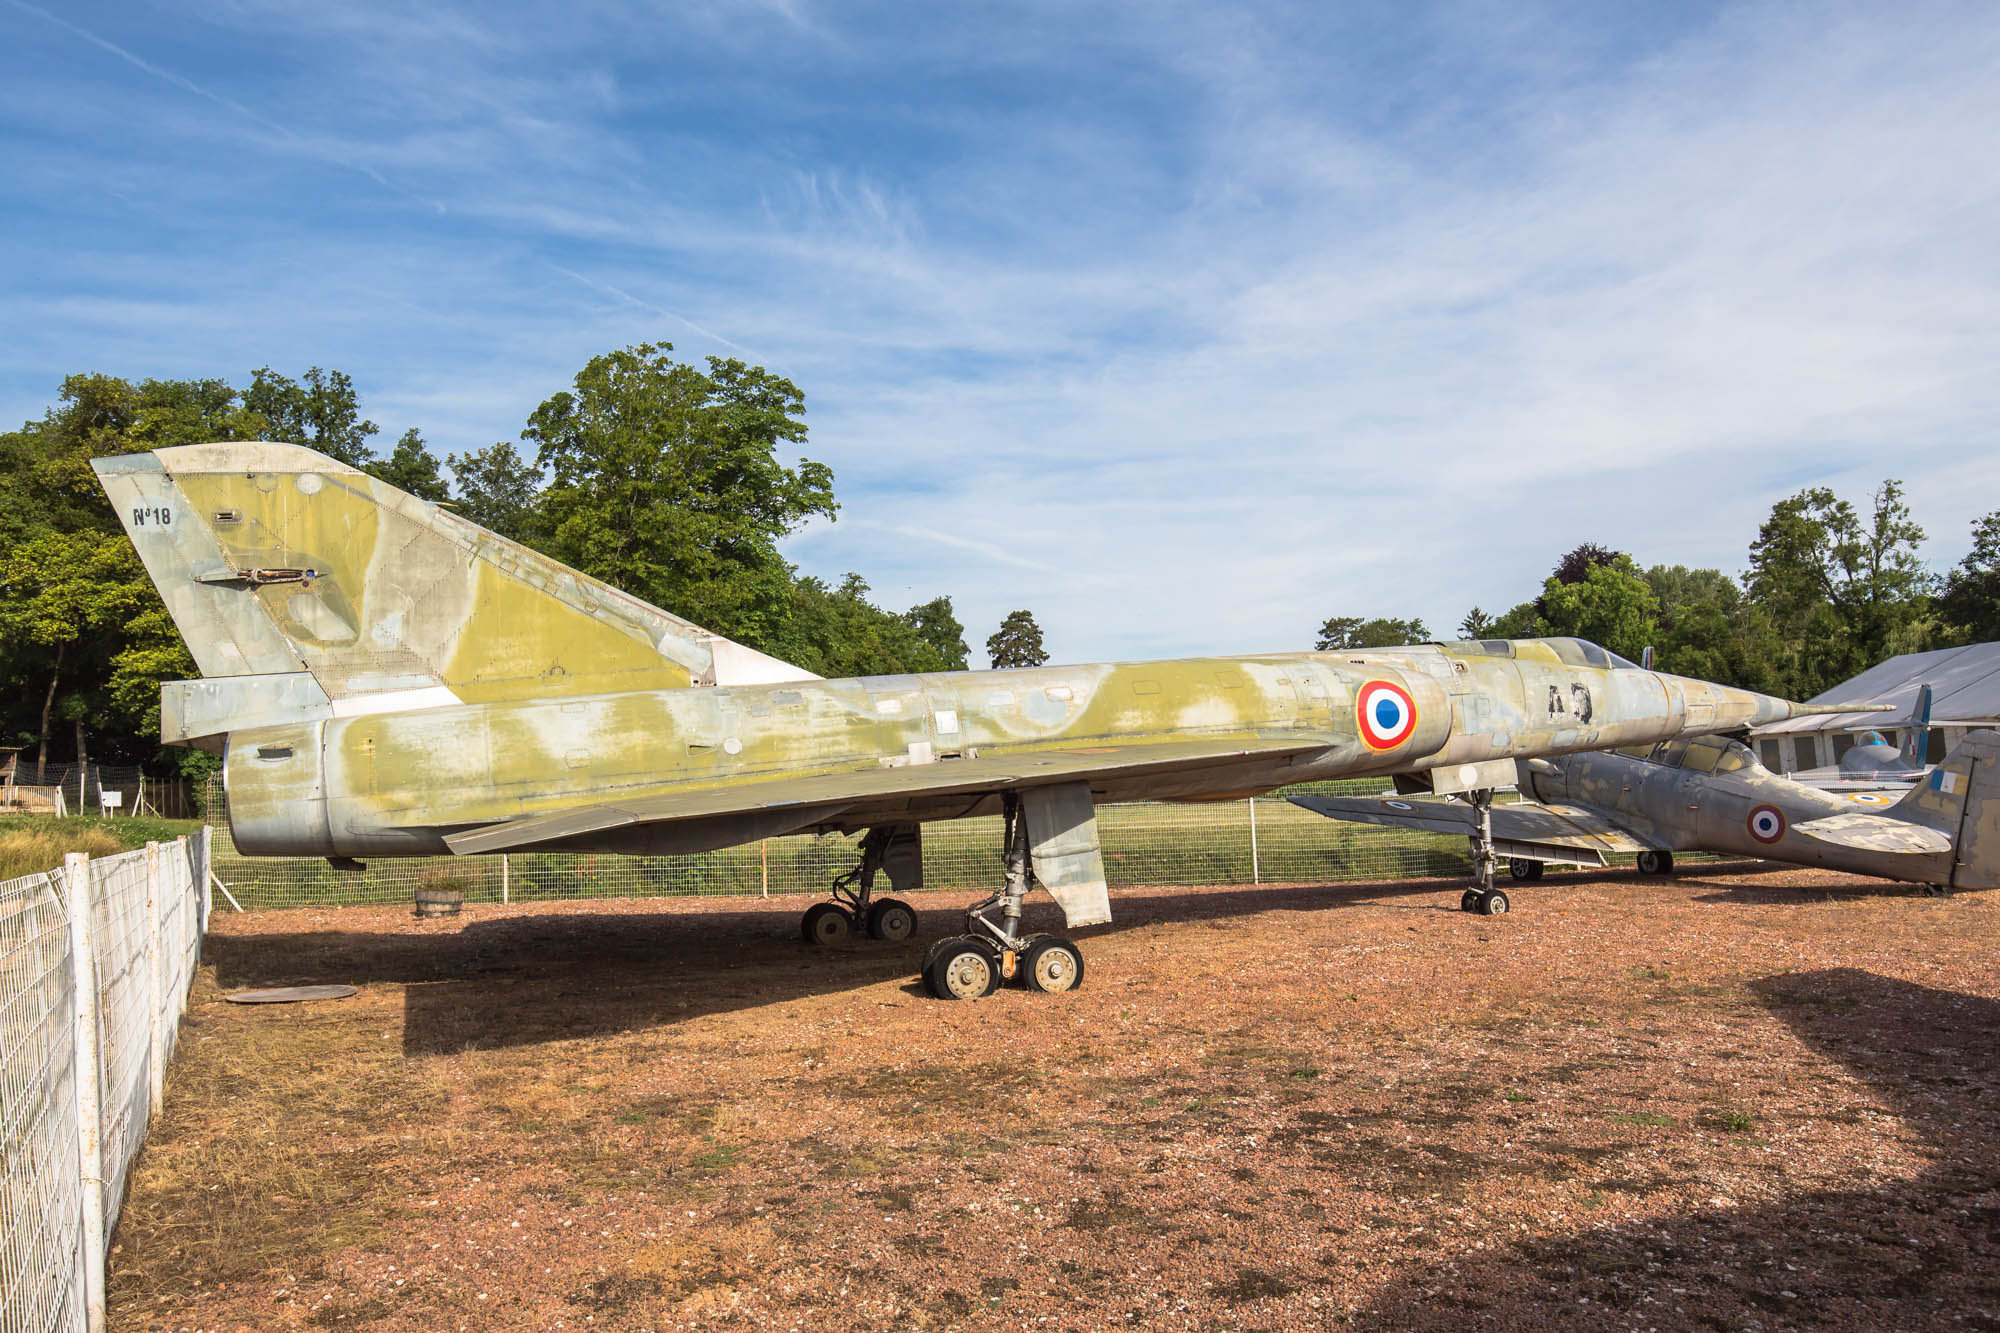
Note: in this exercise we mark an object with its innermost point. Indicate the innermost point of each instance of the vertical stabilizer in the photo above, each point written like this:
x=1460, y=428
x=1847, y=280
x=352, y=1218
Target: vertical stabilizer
x=1917, y=733
x=1961, y=798
x=305, y=587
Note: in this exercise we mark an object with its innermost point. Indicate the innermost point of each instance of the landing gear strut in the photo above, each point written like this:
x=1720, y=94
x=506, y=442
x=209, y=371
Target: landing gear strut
x=854, y=907
x=1483, y=897
x=973, y=965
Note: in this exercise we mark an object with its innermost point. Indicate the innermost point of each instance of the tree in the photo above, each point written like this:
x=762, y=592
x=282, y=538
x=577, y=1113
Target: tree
x=665, y=481
x=1971, y=598
x=1575, y=566
x=1343, y=632
x=1017, y=643
x=321, y=412
x=936, y=625
x=410, y=468
x=1708, y=629
x=1842, y=593
x=497, y=489
x=1476, y=625
x=1610, y=605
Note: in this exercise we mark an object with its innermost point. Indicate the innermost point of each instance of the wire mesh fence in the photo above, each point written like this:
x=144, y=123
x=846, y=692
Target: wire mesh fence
x=94, y=969
x=1261, y=840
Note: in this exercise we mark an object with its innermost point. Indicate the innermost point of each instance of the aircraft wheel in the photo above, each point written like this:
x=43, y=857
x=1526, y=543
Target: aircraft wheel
x=892, y=919
x=962, y=968
x=1656, y=863
x=1052, y=965
x=826, y=923
x=1469, y=901
x=1520, y=867
x=1492, y=903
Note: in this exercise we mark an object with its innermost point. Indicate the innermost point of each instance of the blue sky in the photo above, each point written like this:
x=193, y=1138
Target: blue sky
x=1184, y=326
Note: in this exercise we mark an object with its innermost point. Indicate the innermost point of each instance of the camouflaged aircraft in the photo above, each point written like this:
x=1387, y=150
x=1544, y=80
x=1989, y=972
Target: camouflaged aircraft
x=1710, y=794
x=385, y=678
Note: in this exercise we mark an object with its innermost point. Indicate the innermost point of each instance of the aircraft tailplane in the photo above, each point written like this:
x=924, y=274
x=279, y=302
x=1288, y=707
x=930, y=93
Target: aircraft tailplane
x=1917, y=733
x=1961, y=799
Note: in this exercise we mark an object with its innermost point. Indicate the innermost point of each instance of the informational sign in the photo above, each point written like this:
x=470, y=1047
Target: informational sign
x=111, y=800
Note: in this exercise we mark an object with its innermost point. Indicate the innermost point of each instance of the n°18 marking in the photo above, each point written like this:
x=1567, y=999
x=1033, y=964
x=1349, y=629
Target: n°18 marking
x=160, y=516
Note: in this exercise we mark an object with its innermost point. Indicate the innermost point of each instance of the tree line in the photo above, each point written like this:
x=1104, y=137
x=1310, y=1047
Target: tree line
x=659, y=477
x=1831, y=590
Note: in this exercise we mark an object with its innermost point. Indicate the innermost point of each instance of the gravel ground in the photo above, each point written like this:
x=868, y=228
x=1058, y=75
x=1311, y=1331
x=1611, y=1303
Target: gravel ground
x=1742, y=1099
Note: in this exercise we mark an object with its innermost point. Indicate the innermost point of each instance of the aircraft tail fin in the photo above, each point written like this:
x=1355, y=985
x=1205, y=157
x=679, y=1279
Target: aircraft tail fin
x=307, y=588
x=1917, y=734
x=1961, y=799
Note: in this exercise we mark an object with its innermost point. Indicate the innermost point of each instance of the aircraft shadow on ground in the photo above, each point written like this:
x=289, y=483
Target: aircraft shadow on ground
x=1922, y=1253
x=521, y=980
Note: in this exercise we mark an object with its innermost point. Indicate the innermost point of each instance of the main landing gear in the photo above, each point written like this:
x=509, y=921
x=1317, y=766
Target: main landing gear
x=1656, y=863
x=974, y=965
x=1483, y=897
x=854, y=907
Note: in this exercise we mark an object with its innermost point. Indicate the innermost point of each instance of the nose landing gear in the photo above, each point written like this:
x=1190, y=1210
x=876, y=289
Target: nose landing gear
x=1483, y=898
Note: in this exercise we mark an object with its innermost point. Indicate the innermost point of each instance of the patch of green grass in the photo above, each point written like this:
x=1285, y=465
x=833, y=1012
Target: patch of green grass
x=1735, y=1122
x=718, y=1157
x=1305, y=1073
x=1514, y=1096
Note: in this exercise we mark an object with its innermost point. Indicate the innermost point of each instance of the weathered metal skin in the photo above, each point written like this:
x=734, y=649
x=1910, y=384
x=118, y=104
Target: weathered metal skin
x=387, y=675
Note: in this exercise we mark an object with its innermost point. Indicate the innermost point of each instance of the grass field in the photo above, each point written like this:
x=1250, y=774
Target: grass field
x=29, y=843
x=1730, y=1100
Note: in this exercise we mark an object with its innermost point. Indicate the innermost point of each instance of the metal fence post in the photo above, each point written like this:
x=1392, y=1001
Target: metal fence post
x=156, y=990
x=87, y=1039
x=1256, y=871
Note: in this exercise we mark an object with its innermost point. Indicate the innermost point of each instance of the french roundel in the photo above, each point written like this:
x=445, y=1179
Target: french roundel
x=1385, y=714
x=1868, y=797
x=1766, y=823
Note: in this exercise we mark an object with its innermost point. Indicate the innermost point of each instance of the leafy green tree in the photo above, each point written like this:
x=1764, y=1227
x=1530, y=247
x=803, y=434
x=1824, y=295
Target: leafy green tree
x=1343, y=632
x=1520, y=622
x=839, y=632
x=411, y=468
x=1842, y=592
x=937, y=626
x=1970, y=602
x=318, y=410
x=1017, y=643
x=497, y=489
x=1476, y=625
x=665, y=481
x=1611, y=605
x=1708, y=629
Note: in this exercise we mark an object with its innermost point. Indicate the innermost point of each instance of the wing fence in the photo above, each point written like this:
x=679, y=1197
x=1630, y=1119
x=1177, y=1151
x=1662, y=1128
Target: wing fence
x=95, y=964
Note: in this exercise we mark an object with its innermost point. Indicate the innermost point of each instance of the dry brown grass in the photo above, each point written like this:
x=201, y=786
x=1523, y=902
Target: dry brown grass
x=23, y=851
x=1724, y=1101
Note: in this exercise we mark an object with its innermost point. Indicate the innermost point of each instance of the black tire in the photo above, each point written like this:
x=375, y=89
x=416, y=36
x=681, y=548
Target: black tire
x=826, y=923
x=1052, y=965
x=1492, y=903
x=1521, y=868
x=893, y=920
x=1469, y=901
x=962, y=968
x=1656, y=863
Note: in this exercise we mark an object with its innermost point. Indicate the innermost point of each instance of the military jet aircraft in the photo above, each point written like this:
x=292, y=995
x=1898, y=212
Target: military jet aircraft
x=1710, y=794
x=385, y=678
x=1872, y=764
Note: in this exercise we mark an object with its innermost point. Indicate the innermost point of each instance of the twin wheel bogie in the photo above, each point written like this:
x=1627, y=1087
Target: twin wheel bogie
x=969, y=967
x=889, y=919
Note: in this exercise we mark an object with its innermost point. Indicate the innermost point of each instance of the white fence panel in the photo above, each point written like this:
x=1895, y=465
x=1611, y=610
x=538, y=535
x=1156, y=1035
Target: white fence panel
x=132, y=945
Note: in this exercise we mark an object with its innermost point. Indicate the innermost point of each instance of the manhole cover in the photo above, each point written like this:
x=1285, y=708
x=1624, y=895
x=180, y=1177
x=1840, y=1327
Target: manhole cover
x=290, y=994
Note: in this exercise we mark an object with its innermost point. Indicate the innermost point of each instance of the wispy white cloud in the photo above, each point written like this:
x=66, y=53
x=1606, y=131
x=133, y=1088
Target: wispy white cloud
x=1185, y=328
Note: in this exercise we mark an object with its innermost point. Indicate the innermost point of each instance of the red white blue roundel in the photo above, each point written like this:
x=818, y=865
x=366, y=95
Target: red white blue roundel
x=1766, y=823
x=1385, y=714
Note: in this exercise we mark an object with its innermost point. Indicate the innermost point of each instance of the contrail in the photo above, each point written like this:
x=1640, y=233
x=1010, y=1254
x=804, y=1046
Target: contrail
x=623, y=295
x=188, y=85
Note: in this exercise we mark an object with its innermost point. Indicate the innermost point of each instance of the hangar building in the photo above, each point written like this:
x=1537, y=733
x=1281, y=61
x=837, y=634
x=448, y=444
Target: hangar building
x=1965, y=695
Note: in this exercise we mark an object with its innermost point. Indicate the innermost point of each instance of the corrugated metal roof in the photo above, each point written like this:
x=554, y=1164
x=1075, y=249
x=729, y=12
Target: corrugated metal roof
x=1965, y=690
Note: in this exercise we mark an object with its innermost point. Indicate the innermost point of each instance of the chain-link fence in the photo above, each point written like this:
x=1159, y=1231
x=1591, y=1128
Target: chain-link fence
x=1265, y=840
x=95, y=964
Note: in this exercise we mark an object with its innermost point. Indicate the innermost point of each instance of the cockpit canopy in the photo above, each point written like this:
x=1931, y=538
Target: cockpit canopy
x=1570, y=652
x=1697, y=754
